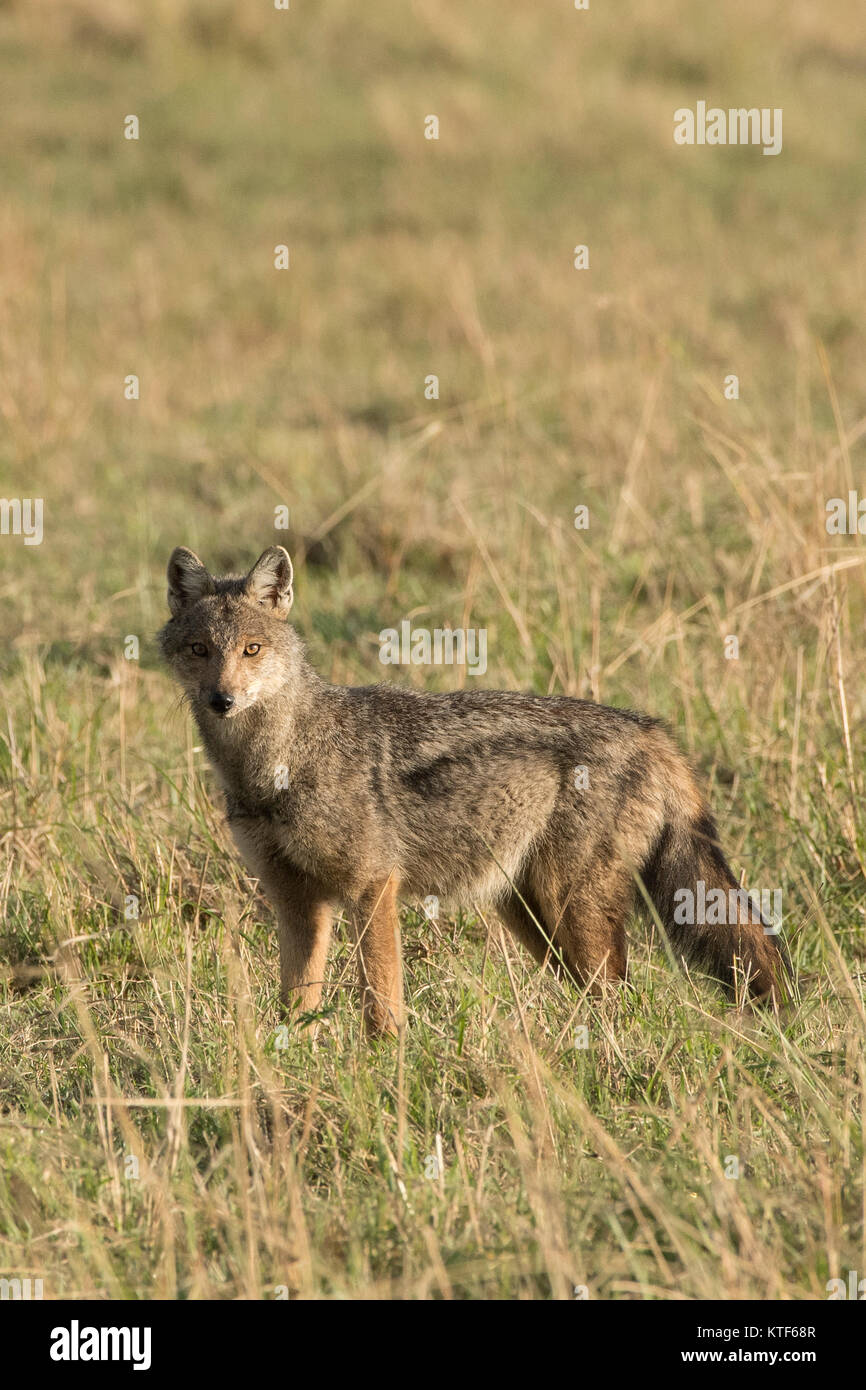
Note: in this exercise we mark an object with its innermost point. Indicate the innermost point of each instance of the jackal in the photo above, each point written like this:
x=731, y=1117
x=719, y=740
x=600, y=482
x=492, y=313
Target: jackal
x=354, y=797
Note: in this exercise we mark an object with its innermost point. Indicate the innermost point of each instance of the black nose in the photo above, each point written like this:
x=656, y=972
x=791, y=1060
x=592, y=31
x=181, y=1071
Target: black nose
x=221, y=702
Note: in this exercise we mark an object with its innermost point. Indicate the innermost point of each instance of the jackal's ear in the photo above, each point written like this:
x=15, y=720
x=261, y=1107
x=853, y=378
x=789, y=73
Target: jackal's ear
x=269, y=582
x=188, y=579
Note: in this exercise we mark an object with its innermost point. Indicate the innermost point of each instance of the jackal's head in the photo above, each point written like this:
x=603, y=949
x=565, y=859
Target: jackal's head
x=227, y=641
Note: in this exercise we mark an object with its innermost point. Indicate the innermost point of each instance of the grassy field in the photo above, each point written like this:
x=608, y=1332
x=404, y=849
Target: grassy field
x=159, y=1135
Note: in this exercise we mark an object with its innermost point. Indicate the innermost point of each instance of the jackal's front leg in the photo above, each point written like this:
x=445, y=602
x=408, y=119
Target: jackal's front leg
x=377, y=936
x=304, y=939
x=305, y=915
x=304, y=921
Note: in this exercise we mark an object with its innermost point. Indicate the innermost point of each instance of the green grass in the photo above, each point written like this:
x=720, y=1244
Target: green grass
x=157, y=1138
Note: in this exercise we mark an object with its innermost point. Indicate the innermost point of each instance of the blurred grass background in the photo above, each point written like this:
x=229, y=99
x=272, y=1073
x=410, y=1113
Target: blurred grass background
x=305, y=1171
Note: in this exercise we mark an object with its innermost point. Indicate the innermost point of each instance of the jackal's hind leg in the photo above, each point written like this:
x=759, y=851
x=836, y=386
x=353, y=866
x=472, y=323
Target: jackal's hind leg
x=582, y=926
x=522, y=916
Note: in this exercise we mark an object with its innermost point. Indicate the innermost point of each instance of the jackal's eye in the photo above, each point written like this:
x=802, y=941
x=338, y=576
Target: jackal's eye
x=252, y=648
x=198, y=649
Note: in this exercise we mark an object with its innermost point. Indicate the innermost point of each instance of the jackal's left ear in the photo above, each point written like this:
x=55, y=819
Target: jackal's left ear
x=269, y=582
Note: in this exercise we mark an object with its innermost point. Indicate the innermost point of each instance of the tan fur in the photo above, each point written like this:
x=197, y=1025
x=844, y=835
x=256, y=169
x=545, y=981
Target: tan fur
x=354, y=797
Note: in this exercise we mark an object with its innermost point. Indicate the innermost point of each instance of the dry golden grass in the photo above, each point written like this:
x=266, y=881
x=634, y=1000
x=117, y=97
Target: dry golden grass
x=157, y=1140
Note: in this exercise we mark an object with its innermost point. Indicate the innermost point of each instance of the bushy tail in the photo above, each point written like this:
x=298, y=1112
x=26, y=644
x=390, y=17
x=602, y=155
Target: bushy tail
x=708, y=918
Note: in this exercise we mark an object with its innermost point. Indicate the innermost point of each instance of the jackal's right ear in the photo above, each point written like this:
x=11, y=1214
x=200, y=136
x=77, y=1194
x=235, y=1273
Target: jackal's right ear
x=188, y=580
